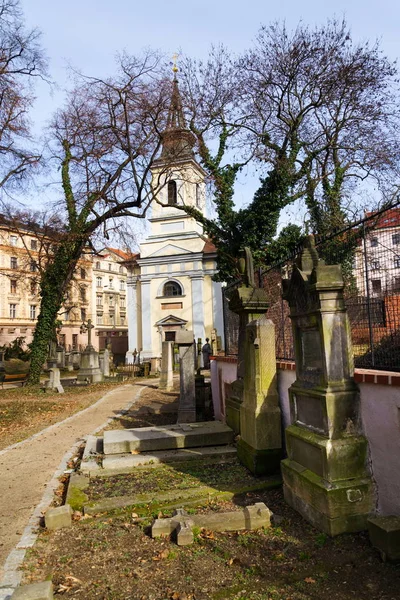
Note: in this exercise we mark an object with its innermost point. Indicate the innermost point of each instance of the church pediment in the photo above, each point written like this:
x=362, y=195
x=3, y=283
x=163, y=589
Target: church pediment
x=169, y=250
x=171, y=320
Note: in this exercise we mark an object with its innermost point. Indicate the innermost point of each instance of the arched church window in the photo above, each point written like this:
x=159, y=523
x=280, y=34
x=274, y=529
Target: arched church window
x=172, y=192
x=172, y=288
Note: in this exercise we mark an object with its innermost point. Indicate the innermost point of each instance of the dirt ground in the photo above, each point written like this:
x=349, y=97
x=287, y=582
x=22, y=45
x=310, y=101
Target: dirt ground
x=25, y=411
x=113, y=557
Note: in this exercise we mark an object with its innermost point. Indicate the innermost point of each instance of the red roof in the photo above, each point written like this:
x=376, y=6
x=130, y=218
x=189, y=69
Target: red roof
x=209, y=247
x=122, y=254
x=389, y=218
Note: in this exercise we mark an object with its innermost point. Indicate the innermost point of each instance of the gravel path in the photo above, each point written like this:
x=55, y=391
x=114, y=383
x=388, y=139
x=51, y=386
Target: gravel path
x=28, y=468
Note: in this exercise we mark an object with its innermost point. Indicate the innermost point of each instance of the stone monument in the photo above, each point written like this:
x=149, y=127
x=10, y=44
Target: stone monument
x=249, y=302
x=325, y=475
x=54, y=383
x=187, y=398
x=167, y=373
x=90, y=369
x=260, y=443
x=104, y=362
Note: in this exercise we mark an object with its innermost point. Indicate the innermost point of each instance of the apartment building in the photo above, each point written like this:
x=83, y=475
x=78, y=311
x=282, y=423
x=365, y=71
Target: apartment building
x=97, y=291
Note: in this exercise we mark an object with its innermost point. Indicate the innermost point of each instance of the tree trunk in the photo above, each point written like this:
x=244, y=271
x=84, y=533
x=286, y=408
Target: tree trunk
x=56, y=278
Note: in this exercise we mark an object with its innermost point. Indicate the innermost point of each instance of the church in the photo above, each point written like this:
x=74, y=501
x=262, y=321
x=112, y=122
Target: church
x=171, y=284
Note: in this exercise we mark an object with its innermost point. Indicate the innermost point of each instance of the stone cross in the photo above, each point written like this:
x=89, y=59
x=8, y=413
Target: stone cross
x=89, y=328
x=180, y=524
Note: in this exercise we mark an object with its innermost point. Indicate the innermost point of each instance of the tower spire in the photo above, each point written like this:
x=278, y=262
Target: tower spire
x=178, y=141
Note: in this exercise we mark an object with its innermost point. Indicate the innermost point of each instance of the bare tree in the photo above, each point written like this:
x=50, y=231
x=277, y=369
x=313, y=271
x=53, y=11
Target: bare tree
x=105, y=140
x=315, y=110
x=21, y=60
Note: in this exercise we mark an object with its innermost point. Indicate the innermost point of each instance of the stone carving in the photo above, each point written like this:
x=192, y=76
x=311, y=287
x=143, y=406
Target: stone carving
x=325, y=475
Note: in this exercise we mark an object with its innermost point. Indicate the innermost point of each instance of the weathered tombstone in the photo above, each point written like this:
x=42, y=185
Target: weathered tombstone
x=104, y=362
x=52, y=357
x=166, y=377
x=260, y=444
x=325, y=475
x=187, y=397
x=2, y=362
x=76, y=359
x=54, y=383
x=89, y=368
x=69, y=361
x=249, y=302
x=60, y=353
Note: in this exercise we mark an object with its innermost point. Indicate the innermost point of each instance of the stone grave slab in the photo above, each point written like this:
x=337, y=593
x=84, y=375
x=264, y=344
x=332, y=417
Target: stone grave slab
x=170, y=437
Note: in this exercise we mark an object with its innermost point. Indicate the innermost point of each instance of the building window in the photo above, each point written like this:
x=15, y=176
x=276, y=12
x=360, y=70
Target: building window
x=374, y=242
x=376, y=286
x=83, y=274
x=122, y=320
x=99, y=300
x=109, y=266
x=396, y=239
x=13, y=286
x=33, y=286
x=99, y=319
x=111, y=283
x=33, y=266
x=13, y=262
x=98, y=265
x=171, y=288
x=111, y=300
x=121, y=285
x=74, y=341
x=397, y=262
x=121, y=269
x=13, y=311
x=99, y=282
x=396, y=286
x=122, y=302
x=13, y=240
x=170, y=336
x=375, y=265
x=33, y=244
x=32, y=311
x=172, y=193
x=82, y=293
x=83, y=314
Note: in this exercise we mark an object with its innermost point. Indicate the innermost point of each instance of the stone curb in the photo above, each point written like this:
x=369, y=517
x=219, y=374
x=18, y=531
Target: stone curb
x=12, y=576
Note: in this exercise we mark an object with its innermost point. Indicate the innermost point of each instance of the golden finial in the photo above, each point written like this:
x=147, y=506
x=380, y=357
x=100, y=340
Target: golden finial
x=175, y=58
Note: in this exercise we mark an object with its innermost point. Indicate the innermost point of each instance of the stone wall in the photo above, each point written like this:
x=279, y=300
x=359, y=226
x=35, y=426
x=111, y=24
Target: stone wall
x=380, y=416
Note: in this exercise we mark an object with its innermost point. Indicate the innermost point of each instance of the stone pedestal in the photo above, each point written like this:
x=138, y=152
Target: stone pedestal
x=90, y=369
x=104, y=362
x=325, y=475
x=260, y=443
x=249, y=303
x=166, y=377
x=187, y=397
x=54, y=383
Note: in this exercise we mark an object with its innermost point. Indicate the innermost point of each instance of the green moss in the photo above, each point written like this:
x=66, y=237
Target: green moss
x=76, y=498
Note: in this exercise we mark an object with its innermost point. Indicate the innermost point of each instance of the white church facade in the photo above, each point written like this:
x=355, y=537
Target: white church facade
x=171, y=285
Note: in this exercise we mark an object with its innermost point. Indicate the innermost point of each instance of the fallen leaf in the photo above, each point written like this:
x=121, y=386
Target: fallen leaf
x=310, y=580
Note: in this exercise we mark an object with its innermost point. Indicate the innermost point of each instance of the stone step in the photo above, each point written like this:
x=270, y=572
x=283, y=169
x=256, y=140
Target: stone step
x=124, y=463
x=168, y=437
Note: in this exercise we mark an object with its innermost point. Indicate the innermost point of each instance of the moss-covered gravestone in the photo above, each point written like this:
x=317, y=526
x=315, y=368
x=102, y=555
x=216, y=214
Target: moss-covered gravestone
x=249, y=302
x=325, y=475
x=260, y=444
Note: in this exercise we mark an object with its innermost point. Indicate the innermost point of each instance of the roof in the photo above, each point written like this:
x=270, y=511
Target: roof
x=209, y=247
x=123, y=255
x=389, y=218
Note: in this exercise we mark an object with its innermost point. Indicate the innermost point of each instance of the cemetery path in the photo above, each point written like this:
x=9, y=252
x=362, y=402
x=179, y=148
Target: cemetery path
x=27, y=468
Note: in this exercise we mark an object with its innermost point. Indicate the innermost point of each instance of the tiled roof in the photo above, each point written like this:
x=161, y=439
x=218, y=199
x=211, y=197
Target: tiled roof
x=390, y=218
x=122, y=254
x=209, y=247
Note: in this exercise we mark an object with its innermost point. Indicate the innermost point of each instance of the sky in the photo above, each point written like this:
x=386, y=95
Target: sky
x=87, y=34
